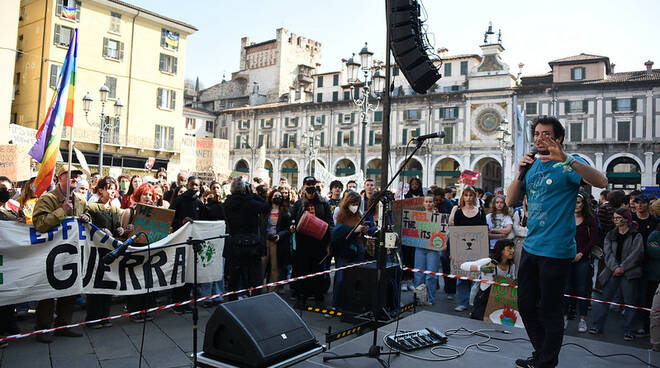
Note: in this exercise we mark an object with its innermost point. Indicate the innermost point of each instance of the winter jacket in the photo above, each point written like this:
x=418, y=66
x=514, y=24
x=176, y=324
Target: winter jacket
x=187, y=204
x=632, y=256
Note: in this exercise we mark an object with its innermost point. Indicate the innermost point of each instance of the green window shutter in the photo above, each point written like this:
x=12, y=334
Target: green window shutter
x=121, y=51
x=567, y=107
x=464, y=65
x=442, y=113
x=341, y=118
x=585, y=106
x=322, y=119
x=322, y=139
x=285, y=140
x=614, y=105
x=371, y=138
x=262, y=123
x=105, y=43
x=584, y=72
x=456, y=112
x=311, y=120
x=351, y=142
x=248, y=123
x=174, y=65
x=286, y=121
x=159, y=97
x=261, y=141
x=352, y=117
x=573, y=74
x=416, y=132
x=633, y=104
x=161, y=63
x=378, y=116
x=237, y=144
x=338, y=139
x=404, y=137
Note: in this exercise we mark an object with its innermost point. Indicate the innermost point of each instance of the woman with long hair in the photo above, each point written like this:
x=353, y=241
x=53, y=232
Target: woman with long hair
x=351, y=250
x=466, y=214
x=586, y=237
x=414, y=188
x=127, y=199
x=500, y=224
x=427, y=259
x=500, y=264
x=278, y=251
x=408, y=253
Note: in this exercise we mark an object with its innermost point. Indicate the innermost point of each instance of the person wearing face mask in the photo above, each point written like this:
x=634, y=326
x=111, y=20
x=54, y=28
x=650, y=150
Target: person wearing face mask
x=278, y=252
x=188, y=207
x=310, y=253
x=127, y=199
x=351, y=250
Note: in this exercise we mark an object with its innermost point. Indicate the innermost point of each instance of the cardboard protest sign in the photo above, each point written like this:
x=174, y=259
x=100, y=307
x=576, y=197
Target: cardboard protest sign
x=423, y=229
x=469, y=177
x=15, y=161
x=467, y=243
x=154, y=221
x=413, y=204
x=502, y=307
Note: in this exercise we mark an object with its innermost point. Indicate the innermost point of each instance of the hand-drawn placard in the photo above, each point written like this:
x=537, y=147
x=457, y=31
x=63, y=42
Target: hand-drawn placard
x=15, y=162
x=154, y=221
x=502, y=307
x=467, y=243
x=423, y=229
x=413, y=204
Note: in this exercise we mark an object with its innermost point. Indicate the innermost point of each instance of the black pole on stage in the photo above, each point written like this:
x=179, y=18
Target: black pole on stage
x=375, y=350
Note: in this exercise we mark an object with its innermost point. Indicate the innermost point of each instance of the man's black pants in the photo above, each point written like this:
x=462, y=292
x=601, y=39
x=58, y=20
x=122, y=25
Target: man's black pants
x=541, y=282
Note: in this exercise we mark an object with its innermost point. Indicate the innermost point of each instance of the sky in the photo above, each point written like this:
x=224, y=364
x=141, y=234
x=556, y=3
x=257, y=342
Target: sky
x=533, y=32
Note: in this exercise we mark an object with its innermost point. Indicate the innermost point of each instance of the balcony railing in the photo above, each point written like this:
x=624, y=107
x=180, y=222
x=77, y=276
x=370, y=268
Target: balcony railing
x=123, y=141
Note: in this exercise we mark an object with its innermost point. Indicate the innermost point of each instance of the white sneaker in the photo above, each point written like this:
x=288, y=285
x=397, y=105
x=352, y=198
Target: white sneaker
x=582, y=326
x=565, y=322
x=460, y=308
x=450, y=297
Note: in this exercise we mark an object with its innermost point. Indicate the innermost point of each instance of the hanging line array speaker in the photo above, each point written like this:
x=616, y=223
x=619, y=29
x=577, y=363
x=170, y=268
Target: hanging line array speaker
x=408, y=46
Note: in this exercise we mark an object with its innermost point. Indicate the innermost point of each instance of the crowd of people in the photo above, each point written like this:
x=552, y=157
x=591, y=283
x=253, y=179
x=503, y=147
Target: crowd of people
x=616, y=238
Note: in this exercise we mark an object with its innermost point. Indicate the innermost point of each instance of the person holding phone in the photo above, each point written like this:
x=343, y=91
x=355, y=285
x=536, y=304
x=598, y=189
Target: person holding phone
x=552, y=182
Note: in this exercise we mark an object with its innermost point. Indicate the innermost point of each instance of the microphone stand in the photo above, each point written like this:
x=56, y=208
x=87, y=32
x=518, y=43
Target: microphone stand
x=197, y=246
x=387, y=198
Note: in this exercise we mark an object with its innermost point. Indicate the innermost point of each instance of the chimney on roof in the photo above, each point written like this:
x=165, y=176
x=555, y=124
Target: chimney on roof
x=649, y=66
x=612, y=68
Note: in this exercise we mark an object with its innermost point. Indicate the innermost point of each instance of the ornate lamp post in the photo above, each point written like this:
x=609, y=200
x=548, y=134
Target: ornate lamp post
x=103, y=125
x=310, y=137
x=372, y=86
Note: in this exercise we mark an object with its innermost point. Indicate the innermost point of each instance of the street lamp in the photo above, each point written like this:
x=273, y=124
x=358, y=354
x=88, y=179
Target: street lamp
x=310, y=137
x=103, y=125
x=372, y=86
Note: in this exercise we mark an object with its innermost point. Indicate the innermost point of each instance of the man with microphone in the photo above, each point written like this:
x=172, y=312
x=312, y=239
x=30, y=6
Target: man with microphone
x=551, y=183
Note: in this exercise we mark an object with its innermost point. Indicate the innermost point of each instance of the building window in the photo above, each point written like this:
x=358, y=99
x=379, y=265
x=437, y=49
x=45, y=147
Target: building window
x=577, y=107
x=244, y=124
x=464, y=66
x=319, y=97
x=291, y=122
x=318, y=121
x=289, y=140
x=375, y=137
x=576, y=132
x=169, y=39
x=54, y=75
x=411, y=115
x=347, y=95
x=531, y=108
x=190, y=123
x=19, y=45
x=447, y=69
x=623, y=131
x=345, y=138
x=335, y=96
x=164, y=137
x=115, y=22
x=209, y=126
x=378, y=116
x=449, y=112
x=320, y=81
x=113, y=49
x=167, y=64
x=242, y=141
x=266, y=123
x=408, y=134
x=346, y=118
x=578, y=73
x=449, y=135
x=68, y=9
x=111, y=83
x=335, y=80
x=111, y=135
x=264, y=139
x=624, y=104
x=166, y=99
x=63, y=35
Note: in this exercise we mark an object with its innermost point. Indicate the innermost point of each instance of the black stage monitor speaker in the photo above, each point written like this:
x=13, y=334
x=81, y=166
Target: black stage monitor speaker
x=408, y=45
x=256, y=332
x=358, y=288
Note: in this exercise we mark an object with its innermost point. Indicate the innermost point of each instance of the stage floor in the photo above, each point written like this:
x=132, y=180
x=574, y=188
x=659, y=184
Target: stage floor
x=570, y=356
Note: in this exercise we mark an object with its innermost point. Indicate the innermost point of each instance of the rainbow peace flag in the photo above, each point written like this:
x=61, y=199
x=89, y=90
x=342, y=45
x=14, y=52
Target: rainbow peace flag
x=60, y=113
x=69, y=12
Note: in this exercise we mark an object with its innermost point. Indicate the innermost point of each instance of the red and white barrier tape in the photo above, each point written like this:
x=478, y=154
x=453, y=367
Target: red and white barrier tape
x=490, y=282
x=248, y=290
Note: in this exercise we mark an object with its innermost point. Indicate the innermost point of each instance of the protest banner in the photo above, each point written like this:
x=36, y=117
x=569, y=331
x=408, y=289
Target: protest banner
x=467, y=243
x=469, y=177
x=423, y=229
x=154, y=221
x=15, y=161
x=502, y=307
x=68, y=260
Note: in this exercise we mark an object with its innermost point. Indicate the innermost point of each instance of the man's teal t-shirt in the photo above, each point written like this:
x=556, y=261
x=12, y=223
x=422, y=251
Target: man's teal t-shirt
x=551, y=197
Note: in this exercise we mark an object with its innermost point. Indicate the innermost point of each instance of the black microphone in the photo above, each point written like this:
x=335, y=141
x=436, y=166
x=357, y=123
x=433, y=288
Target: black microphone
x=110, y=257
x=525, y=168
x=431, y=135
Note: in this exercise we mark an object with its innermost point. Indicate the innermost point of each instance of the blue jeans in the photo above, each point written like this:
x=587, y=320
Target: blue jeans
x=428, y=260
x=576, y=284
x=211, y=288
x=336, y=288
x=463, y=287
x=630, y=291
